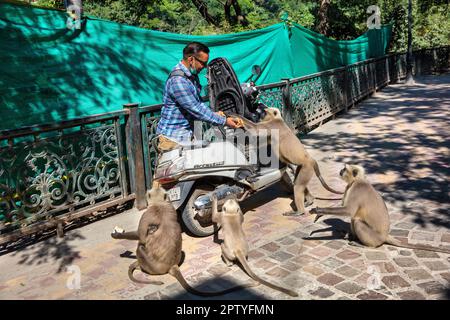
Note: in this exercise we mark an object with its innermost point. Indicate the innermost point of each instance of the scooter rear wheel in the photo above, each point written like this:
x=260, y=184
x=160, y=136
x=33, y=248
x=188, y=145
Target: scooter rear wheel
x=198, y=226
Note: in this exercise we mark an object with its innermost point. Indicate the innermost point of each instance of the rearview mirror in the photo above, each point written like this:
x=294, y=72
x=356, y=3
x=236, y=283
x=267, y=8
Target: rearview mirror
x=256, y=70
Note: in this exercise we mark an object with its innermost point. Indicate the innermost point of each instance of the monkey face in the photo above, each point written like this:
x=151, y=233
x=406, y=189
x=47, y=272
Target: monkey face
x=272, y=113
x=157, y=193
x=230, y=206
x=345, y=174
x=351, y=172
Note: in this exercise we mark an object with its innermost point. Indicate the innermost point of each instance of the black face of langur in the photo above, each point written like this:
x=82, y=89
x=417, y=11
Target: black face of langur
x=231, y=206
x=351, y=172
x=157, y=195
x=271, y=113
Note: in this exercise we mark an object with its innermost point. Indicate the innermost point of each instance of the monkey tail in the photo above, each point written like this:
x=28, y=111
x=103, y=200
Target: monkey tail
x=322, y=181
x=134, y=266
x=249, y=271
x=392, y=241
x=175, y=272
x=320, y=198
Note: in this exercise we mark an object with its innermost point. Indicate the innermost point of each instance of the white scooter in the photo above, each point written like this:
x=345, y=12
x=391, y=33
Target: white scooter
x=225, y=162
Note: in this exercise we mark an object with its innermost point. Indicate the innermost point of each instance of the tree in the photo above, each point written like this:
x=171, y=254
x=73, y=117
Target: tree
x=203, y=9
x=337, y=19
x=409, y=63
x=323, y=26
x=237, y=9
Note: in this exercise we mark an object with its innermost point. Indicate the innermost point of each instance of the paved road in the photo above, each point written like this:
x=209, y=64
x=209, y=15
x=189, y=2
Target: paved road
x=400, y=136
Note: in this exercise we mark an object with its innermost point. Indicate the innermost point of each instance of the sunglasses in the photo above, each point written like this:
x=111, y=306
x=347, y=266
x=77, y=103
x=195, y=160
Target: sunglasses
x=203, y=63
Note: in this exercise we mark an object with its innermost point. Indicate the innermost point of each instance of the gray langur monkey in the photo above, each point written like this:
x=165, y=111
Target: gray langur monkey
x=159, y=243
x=290, y=150
x=369, y=215
x=234, y=246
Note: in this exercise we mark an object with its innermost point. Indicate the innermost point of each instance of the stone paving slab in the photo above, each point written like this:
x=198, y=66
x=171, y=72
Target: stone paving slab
x=400, y=136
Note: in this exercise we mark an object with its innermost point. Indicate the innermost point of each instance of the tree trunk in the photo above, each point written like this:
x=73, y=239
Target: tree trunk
x=237, y=9
x=323, y=17
x=203, y=9
x=227, y=7
x=409, y=57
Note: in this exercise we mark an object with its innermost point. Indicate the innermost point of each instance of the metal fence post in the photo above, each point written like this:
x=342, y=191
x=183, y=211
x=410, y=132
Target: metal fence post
x=346, y=88
x=146, y=152
x=135, y=155
x=397, y=69
x=373, y=69
x=388, y=70
x=287, y=102
x=435, y=60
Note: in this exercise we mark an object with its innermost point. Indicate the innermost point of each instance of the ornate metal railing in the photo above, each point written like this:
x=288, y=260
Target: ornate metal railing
x=149, y=116
x=310, y=100
x=52, y=174
x=316, y=97
x=431, y=61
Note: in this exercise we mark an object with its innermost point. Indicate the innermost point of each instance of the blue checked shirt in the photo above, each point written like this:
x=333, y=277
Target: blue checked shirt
x=182, y=106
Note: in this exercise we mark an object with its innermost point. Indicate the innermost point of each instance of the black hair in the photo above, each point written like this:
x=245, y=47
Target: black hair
x=193, y=48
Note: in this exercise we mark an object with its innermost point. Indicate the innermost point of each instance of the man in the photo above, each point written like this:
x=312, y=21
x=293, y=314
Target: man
x=182, y=102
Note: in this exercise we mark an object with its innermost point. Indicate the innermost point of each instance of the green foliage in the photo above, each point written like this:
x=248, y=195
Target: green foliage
x=433, y=28
x=57, y=4
x=347, y=18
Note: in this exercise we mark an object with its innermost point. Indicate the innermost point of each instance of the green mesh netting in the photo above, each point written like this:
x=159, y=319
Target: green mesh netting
x=49, y=73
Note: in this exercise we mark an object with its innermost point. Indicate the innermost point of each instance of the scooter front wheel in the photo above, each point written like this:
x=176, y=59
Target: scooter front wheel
x=197, y=225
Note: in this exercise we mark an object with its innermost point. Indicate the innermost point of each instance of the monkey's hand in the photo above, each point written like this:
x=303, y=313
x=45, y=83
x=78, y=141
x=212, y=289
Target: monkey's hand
x=239, y=122
x=213, y=200
x=317, y=212
x=215, y=214
x=117, y=231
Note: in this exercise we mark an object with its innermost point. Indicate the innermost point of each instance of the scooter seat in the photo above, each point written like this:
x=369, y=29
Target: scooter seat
x=194, y=144
x=224, y=91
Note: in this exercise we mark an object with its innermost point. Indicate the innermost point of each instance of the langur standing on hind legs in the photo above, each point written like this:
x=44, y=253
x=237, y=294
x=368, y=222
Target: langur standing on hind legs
x=234, y=246
x=159, y=243
x=369, y=215
x=289, y=149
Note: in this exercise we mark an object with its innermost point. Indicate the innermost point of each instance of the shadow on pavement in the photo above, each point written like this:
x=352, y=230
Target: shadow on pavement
x=405, y=135
x=216, y=284
x=45, y=246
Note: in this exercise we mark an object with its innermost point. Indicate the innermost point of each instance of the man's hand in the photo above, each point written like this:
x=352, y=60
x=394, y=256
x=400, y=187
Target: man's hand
x=229, y=122
x=233, y=123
